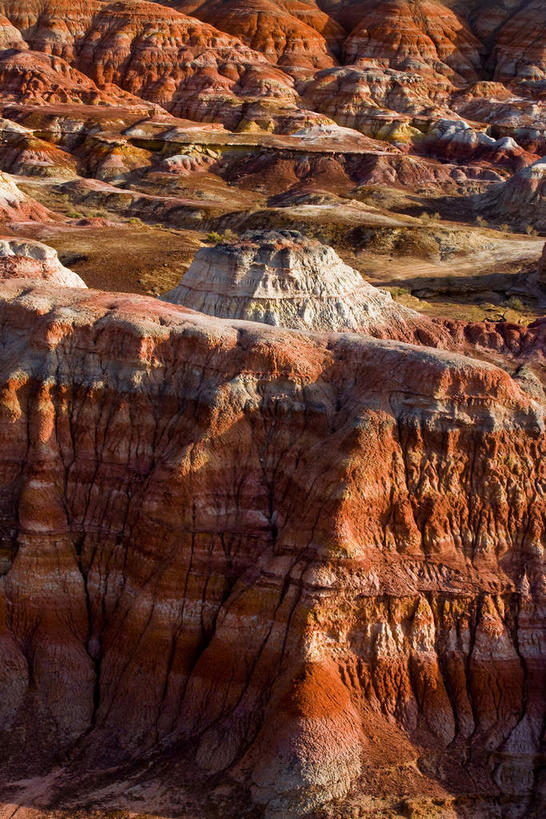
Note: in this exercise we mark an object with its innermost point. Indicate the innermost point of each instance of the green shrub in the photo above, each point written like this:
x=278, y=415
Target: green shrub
x=216, y=238
x=516, y=304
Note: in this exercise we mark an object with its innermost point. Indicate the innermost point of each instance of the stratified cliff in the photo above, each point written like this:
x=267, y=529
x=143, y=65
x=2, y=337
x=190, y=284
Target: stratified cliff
x=274, y=567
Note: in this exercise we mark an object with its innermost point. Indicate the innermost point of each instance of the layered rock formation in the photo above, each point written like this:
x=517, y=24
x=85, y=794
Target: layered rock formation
x=521, y=199
x=310, y=566
x=422, y=36
x=250, y=571
x=280, y=278
x=291, y=33
x=519, y=53
x=413, y=57
x=156, y=53
x=43, y=78
x=15, y=206
x=34, y=260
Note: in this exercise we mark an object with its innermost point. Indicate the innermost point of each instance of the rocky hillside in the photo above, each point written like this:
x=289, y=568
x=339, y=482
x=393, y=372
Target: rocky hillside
x=210, y=60
x=280, y=278
x=275, y=568
x=272, y=388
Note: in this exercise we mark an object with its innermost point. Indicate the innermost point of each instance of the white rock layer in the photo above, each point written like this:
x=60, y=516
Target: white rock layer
x=284, y=279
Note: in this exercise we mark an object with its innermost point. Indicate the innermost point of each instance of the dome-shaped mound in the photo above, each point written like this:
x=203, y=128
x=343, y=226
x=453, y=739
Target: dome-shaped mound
x=284, y=279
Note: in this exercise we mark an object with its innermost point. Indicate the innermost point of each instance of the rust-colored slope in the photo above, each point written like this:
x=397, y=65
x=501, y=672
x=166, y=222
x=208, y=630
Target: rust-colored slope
x=292, y=561
x=422, y=36
x=153, y=52
x=290, y=32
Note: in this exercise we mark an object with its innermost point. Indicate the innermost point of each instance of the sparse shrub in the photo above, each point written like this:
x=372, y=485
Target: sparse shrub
x=216, y=238
x=399, y=292
x=481, y=221
x=74, y=214
x=134, y=220
x=504, y=228
x=516, y=304
x=531, y=231
x=428, y=218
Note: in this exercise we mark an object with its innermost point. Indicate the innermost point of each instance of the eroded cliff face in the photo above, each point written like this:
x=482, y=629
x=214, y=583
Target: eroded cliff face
x=299, y=567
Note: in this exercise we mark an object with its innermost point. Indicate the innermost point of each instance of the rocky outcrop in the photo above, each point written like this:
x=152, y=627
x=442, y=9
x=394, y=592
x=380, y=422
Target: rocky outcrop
x=44, y=78
x=521, y=200
x=455, y=140
x=379, y=102
x=542, y=269
x=291, y=33
x=15, y=206
x=284, y=567
x=261, y=64
x=24, y=259
x=420, y=36
x=283, y=279
x=518, y=56
x=416, y=173
x=10, y=37
x=154, y=52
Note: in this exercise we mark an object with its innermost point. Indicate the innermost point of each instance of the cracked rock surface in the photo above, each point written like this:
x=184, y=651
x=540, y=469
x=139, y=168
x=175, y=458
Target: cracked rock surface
x=260, y=571
x=284, y=279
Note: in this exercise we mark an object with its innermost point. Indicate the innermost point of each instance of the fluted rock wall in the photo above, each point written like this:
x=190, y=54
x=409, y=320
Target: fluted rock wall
x=298, y=560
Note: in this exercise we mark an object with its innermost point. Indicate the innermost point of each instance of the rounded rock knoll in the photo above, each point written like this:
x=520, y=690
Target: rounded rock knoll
x=284, y=279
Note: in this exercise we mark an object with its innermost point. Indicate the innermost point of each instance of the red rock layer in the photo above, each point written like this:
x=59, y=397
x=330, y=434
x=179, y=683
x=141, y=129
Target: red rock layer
x=519, y=53
x=290, y=32
x=292, y=560
x=15, y=206
x=34, y=260
x=154, y=52
x=422, y=36
x=42, y=78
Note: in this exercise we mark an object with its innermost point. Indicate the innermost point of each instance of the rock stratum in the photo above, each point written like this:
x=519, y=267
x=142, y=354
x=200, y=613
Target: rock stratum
x=262, y=569
x=283, y=279
x=34, y=260
x=272, y=542
x=263, y=64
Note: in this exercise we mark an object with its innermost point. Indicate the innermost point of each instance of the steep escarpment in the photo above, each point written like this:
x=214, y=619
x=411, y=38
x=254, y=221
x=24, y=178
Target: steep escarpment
x=291, y=567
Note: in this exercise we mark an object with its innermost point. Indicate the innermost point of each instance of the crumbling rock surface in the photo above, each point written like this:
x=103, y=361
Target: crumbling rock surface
x=154, y=52
x=15, y=206
x=418, y=35
x=24, y=259
x=289, y=32
x=284, y=279
x=260, y=63
x=520, y=200
x=292, y=561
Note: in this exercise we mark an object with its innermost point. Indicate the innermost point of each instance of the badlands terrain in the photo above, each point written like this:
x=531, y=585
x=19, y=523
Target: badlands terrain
x=272, y=391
